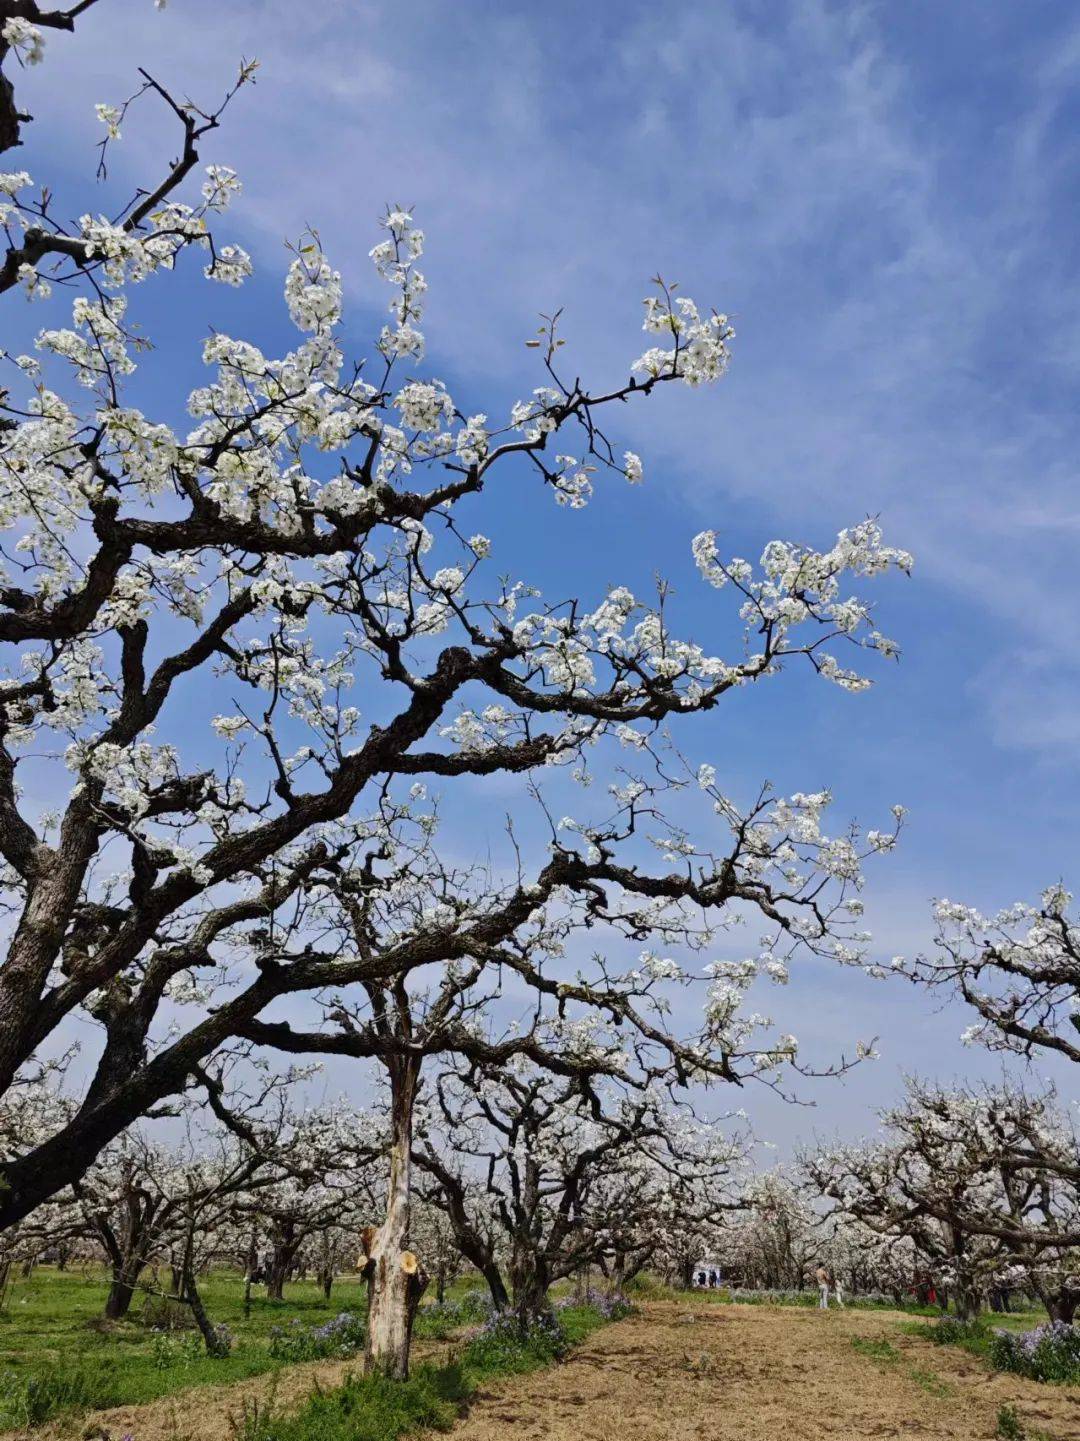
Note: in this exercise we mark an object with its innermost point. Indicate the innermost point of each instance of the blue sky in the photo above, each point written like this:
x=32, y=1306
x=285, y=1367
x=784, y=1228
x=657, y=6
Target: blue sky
x=883, y=197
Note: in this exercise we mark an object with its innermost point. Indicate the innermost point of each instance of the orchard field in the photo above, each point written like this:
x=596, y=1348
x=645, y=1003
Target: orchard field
x=454, y=769
x=690, y=1367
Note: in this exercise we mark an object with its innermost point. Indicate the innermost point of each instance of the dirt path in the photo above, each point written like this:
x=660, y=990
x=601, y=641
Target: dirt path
x=746, y=1373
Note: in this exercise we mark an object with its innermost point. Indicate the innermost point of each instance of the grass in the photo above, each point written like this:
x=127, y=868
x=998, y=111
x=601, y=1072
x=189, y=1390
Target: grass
x=1054, y=1360
x=877, y=1348
x=973, y=1336
x=931, y=1383
x=369, y=1408
x=365, y=1408
x=651, y=1288
x=57, y=1356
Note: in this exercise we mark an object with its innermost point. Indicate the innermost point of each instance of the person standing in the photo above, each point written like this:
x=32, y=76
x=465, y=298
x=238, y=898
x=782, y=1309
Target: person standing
x=822, y=1276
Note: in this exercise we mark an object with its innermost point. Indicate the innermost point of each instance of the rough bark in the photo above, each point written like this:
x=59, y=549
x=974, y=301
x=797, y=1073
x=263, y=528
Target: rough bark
x=122, y=1290
x=325, y=1275
x=530, y=1296
x=1062, y=1305
x=497, y=1287
x=283, y=1253
x=396, y=1280
x=216, y=1344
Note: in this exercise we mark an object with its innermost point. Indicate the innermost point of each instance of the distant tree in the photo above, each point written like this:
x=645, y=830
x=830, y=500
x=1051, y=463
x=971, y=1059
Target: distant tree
x=543, y=1175
x=774, y=1239
x=141, y=1196
x=434, y=1236
x=980, y=1181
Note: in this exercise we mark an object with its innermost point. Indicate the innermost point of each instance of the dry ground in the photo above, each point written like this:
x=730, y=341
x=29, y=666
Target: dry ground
x=687, y=1372
x=746, y=1373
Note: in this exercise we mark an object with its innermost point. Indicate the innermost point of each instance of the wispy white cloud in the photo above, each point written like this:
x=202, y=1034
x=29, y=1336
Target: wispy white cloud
x=909, y=333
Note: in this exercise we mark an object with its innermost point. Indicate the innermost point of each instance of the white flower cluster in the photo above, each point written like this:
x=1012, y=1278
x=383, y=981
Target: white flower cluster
x=424, y=406
x=25, y=39
x=539, y=416
x=573, y=483
x=800, y=585
x=313, y=290
x=110, y=116
x=395, y=260
x=97, y=347
x=700, y=353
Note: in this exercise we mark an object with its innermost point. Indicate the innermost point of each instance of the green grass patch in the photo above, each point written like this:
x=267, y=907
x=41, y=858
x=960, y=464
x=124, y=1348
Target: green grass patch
x=56, y=1355
x=877, y=1348
x=370, y=1408
x=1021, y=1342
x=365, y=1408
x=932, y=1384
x=974, y=1336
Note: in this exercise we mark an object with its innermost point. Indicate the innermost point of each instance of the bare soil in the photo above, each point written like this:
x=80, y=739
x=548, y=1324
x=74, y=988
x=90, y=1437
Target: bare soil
x=684, y=1372
x=710, y=1372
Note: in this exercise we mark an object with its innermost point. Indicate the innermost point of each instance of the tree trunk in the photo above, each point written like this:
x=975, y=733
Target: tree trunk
x=124, y=1280
x=530, y=1279
x=251, y=1265
x=1062, y=1306
x=530, y=1296
x=281, y=1259
x=687, y=1276
x=395, y=1278
x=118, y=1301
x=617, y=1282
x=325, y=1275
x=216, y=1344
x=636, y=1265
x=500, y=1297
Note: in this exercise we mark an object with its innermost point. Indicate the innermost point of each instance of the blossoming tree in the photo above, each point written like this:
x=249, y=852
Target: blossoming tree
x=191, y=618
x=542, y=1175
x=981, y=1181
x=1019, y=970
x=154, y=225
